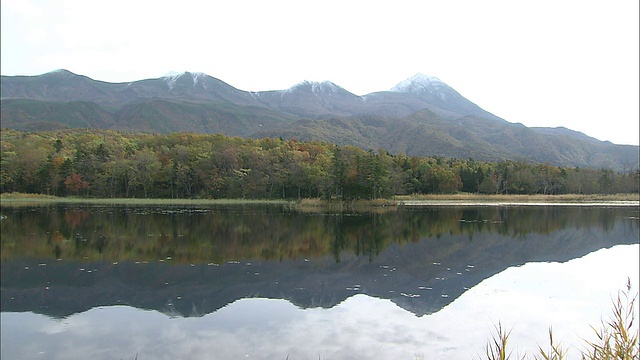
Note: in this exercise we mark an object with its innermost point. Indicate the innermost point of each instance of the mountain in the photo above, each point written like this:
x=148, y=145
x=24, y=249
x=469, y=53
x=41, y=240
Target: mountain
x=312, y=99
x=65, y=86
x=419, y=116
x=32, y=115
x=439, y=97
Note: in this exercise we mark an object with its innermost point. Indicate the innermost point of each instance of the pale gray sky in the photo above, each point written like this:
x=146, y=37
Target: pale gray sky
x=541, y=63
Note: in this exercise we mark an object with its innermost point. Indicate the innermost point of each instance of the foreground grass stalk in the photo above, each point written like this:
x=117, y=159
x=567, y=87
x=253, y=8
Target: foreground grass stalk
x=497, y=348
x=555, y=352
x=616, y=338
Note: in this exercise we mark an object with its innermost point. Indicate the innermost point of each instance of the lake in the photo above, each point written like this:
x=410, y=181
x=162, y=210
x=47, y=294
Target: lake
x=272, y=282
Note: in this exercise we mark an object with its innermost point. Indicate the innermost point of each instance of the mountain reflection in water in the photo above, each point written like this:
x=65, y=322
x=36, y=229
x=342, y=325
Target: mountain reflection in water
x=191, y=261
x=526, y=299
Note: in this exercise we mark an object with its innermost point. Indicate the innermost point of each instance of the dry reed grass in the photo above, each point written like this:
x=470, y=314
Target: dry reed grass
x=616, y=338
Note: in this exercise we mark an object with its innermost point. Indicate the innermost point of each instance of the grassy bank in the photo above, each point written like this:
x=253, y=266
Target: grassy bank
x=37, y=199
x=524, y=198
x=17, y=199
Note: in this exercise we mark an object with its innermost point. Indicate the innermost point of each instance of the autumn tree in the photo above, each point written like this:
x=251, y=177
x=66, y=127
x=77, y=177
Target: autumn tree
x=145, y=168
x=116, y=164
x=75, y=183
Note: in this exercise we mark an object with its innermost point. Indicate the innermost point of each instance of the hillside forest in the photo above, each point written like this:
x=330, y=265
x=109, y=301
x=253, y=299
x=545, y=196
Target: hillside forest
x=111, y=164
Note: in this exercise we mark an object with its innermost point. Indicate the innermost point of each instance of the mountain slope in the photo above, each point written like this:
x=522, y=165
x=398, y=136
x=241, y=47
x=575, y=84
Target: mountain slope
x=425, y=132
x=439, y=97
x=64, y=86
x=60, y=86
x=164, y=116
x=31, y=115
x=312, y=99
x=420, y=116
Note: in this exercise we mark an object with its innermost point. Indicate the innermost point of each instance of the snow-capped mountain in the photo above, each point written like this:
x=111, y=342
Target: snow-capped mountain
x=306, y=98
x=316, y=87
x=197, y=78
x=423, y=92
x=421, y=115
x=312, y=99
x=419, y=84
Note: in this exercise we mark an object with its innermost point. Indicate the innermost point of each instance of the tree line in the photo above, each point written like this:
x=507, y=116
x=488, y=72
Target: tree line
x=109, y=164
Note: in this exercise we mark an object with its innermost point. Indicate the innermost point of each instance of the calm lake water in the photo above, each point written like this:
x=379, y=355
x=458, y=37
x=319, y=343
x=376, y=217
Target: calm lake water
x=268, y=282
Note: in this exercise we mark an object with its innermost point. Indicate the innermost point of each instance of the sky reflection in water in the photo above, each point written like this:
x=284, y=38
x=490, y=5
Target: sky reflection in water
x=531, y=298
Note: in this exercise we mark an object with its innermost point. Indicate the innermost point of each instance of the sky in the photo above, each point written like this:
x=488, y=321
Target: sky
x=540, y=63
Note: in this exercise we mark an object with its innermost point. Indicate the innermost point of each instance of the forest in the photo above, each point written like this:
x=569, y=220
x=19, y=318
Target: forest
x=111, y=164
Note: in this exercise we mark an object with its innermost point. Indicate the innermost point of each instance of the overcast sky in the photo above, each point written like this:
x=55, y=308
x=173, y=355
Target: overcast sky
x=541, y=63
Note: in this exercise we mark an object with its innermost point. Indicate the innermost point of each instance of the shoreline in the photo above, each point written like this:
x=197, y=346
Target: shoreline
x=18, y=199
x=522, y=200
x=507, y=203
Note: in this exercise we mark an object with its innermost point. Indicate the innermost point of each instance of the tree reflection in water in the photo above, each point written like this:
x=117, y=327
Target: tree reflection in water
x=273, y=233
x=193, y=260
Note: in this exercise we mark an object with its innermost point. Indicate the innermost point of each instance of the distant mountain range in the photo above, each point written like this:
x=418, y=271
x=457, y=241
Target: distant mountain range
x=420, y=116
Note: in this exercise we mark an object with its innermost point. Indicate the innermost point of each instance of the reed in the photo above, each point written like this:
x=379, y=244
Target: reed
x=555, y=352
x=616, y=338
x=497, y=348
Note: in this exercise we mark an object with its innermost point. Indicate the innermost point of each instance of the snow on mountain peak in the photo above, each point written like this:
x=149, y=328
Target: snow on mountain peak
x=58, y=71
x=316, y=87
x=199, y=77
x=324, y=86
x=418, y=83
x=172, y=74
x=171, y=77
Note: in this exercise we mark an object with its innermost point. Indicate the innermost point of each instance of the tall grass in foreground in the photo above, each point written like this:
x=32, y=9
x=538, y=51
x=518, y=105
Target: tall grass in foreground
x=615, y=338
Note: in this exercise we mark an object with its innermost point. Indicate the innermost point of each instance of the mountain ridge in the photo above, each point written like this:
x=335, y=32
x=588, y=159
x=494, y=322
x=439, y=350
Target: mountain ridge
x=419, y=116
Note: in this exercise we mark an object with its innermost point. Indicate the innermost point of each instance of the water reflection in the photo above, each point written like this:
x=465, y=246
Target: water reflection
x=63, y=260
x=189, y=235
x=568, y=296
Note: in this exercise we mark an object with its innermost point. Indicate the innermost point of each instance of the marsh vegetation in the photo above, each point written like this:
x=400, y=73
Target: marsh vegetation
x=615, y=338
